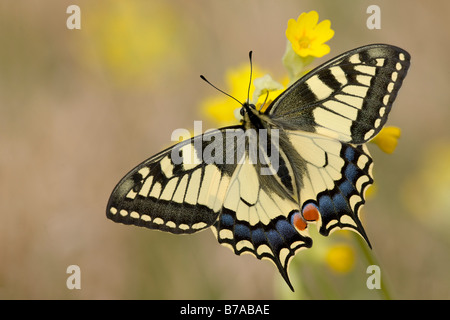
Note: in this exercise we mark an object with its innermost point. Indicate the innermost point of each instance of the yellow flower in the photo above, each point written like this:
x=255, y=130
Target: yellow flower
x=340, y=258
x=224, y=110
x=425, y=192
x=371, y=191
x=387, y=139
x=307, y=37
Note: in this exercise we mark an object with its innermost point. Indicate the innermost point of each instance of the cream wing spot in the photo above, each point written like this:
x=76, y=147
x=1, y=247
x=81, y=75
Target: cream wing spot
x=156, y=190
x=144, y=172
x=169, y=189
x=331, y=224
x=339, y=75
x=123, y=212
x=134, y=215
x=209, y=184
x=318, y=87
x=146, y=187
x=131, y=194
x=253, y=216
x=354, y=59
x=242, y=212
x=262, y=249
x=359, y=91
x=354, y=199
x=190, y=158
x=362, y=161
x=171, y=224
x=181, y=190
x=394, y=76
x=363, y=79
x=377, y=123
x=226, y=234
x=199, y=225
x=193, y=187
x=324, y=117
x=380, y=62
x=232, y=198
x=341, y=108
x=345, y=219
x=244, y=244
x=183, y=226
x=221, y=193
x=284, y=253
x=369, y=134
x=356, y=102
x=390, y=87
x=366, y=69
x=166, y=167
x=213, y=190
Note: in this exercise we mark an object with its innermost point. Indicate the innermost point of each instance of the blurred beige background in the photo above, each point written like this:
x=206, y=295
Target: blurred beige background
x=80, y=108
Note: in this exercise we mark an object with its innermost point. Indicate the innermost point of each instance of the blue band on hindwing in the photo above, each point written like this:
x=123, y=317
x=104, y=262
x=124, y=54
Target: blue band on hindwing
x=278, y=235
x=335, y=203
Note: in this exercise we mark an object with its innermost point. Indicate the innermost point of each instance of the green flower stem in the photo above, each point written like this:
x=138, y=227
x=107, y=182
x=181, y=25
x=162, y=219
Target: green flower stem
x=294, y=64
x=371, y=259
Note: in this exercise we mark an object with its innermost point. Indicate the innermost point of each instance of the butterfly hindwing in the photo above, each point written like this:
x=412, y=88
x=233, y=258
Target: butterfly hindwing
x=256, y=220
x=333, y=179
x=347, y=98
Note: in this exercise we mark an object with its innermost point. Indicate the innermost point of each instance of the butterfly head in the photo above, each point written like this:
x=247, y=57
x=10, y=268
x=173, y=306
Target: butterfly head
x=251, y=116
x=247, y=108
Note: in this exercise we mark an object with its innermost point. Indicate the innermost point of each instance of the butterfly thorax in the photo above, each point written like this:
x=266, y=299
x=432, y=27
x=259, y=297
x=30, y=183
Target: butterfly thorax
x=252, y=118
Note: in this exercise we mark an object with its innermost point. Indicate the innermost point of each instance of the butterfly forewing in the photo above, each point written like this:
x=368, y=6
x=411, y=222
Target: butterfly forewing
x=178, y=190
x=347, y=98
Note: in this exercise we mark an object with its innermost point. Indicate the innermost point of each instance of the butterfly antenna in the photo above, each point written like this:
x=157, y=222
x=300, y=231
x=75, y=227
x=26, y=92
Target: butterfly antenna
x=251, y=74
x=265, y=100
x=204, y=79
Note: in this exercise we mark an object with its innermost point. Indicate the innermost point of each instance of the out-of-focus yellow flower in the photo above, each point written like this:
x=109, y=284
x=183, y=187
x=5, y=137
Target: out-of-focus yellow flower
x=371, y=191
x=340, y=258
x=306, y=41
x=130, y=40
x=224, y=110
x=425, y=192
x=307, y=37
x=387, y=139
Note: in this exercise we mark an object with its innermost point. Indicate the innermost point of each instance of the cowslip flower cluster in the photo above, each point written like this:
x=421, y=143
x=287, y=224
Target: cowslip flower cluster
x=307, y=36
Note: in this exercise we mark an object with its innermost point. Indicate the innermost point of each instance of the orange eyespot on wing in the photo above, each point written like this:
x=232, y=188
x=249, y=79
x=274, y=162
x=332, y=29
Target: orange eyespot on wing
x=310, y=212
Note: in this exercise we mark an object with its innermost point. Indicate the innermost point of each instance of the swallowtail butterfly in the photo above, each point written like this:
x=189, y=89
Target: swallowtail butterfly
x=317, y=129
